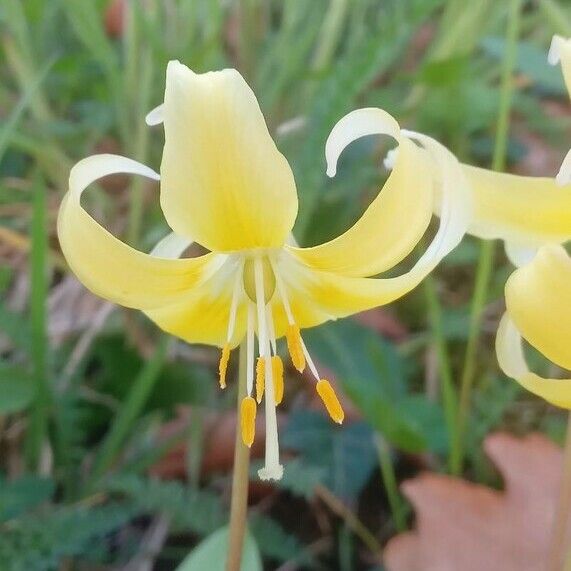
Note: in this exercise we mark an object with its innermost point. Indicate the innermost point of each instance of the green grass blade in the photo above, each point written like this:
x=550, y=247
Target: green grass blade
x=37, y=430
x=129, y=412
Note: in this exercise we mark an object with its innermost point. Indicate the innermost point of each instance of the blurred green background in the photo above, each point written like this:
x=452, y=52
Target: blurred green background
x=115, y=442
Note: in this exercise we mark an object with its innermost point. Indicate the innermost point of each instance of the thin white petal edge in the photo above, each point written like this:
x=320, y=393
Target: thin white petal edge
x=357, y=124
x=509, y=351
x=155, y=116
x=171, y=247
x=520, y=254
x=564, y=175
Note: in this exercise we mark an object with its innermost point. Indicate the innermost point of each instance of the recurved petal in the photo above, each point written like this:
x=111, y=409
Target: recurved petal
x=560, y=52
x=519, y=208
x=511, y=359
x=538, y=300
x=336, y=295
x=396, y=219
x=224, y=182
x=107, y=266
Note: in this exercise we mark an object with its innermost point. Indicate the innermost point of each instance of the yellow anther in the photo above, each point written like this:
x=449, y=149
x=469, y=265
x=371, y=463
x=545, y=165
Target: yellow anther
x=295, y=347
x=330, y=400
x=260, y=378
x=223, y=366
x=248, y=420
x=278, y=375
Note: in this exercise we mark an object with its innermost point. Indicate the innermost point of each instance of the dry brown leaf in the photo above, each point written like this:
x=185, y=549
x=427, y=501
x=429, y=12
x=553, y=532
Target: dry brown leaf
x=463, y=526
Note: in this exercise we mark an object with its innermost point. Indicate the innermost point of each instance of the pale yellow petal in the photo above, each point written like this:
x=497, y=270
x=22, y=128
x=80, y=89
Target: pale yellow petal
x=395, y=221
x=224, y=182
x=323, y=295
x=202, y=316
x=519, y=208
x=107, y=266
x=511, y=359
x=538, y=300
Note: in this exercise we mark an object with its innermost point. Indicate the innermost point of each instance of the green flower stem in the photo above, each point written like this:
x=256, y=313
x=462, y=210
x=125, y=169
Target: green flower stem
x=240, y=480
x=37, y=429
x=559, y=549
x=390, y=483
x=449, y=396
x=487, y=249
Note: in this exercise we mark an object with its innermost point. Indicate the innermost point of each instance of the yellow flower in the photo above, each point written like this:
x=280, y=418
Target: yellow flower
x=225, y=185
x=560, y=52
x=538, y=300
x=525, y=212
x=538, y=294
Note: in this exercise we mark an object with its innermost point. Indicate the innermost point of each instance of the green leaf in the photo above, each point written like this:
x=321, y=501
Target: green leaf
x=211, y=554
x=352, y=350
x=345, y=453
x=17, y=390
x=21, y=495
x=532, y=61
x=385, y=415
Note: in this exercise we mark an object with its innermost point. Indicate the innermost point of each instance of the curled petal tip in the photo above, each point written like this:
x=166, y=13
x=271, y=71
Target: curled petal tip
x=331, y=170
x=554, y=54
x=155, y=116
x=564, y=175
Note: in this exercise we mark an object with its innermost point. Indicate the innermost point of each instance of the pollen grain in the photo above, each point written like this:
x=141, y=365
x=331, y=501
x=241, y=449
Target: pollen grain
x=248, y=420
x=295, y=348
x=278, y=375
x=330, y=400
x=260, y=378
x=223, y=366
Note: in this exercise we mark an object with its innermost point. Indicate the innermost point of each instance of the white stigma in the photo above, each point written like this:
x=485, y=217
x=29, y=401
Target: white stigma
x=272, y=469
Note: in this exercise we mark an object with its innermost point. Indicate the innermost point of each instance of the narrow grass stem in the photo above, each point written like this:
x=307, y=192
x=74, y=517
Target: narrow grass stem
x=352, y=521
x=559, y=547
x=240, y=480
x=487, y=249
x=449, y=396
x=37, y=430
x=390, y=483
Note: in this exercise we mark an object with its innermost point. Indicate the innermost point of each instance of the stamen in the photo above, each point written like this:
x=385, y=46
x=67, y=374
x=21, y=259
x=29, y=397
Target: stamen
x=271, y=330
x=272, y=469
x=248, y=420
x=310, y=362
x=250, y=350
x=223, y=365
x=234, y=303
x=278, y=374
x=295, y=347
x=330, y=400
x=260, y=378
x=282, y=293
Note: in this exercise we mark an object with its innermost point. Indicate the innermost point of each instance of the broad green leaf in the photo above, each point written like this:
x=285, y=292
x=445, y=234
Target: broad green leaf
x=211, y=554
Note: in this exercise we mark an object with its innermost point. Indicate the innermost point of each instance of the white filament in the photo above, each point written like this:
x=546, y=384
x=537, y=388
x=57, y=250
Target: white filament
x=310, y=362
x=272, y=469
x=282, y=293
x=250, y=350
x=234, y=304
x=271, y=330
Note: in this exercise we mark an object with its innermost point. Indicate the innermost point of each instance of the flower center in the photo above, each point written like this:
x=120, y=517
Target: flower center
x=257, y=281
x=269, y=279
